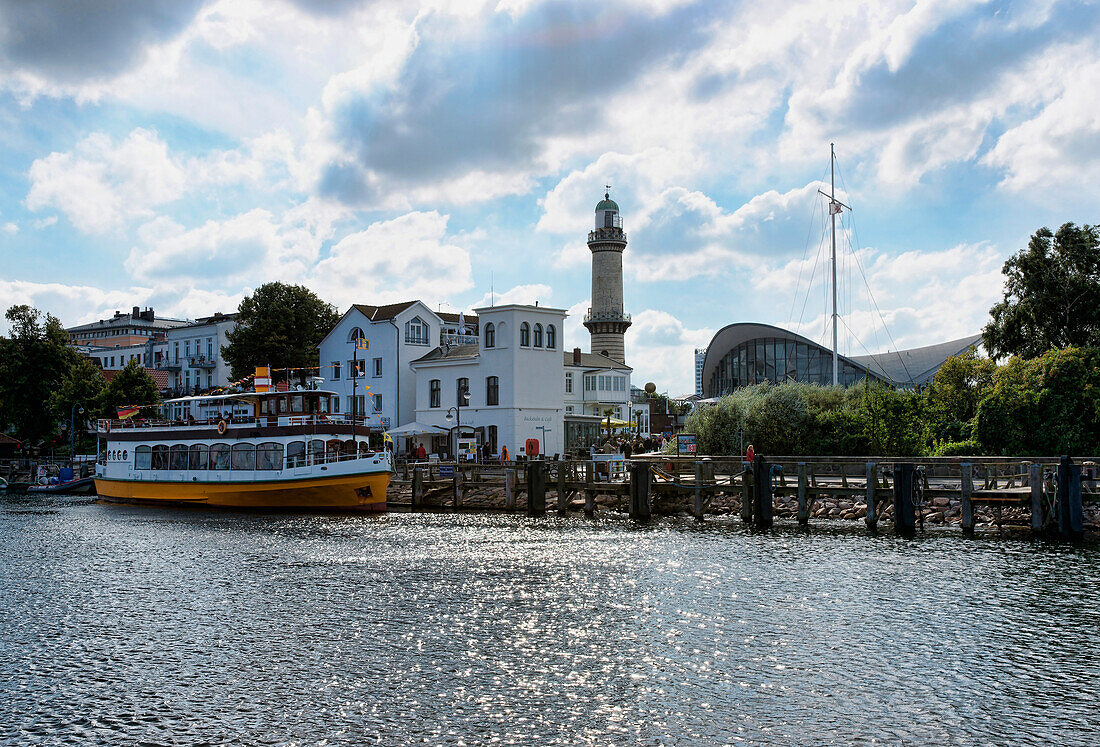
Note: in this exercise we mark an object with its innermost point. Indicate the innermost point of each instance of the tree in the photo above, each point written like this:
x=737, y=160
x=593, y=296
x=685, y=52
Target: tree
x=952, y=398
x=1052, y=295
x=280, y=325
x=132, y=386
x=81, y=386
x=33, y=364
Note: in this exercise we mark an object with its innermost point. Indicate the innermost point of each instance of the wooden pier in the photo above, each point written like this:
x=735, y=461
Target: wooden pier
x=1045, y=494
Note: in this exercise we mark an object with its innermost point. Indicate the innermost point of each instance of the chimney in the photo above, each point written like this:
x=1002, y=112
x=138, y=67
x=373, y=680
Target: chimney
x=136, y=313
x=576, y=356
x=147, y=314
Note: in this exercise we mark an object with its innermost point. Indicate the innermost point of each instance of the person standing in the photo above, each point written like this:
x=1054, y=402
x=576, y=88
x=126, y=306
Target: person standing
x=750, y=454
x=504, y=454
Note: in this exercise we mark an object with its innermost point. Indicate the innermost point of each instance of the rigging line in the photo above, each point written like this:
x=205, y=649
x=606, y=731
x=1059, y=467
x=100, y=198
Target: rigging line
x=870, y=355
x=805, y=251
x=870, y=293
x=813, y=274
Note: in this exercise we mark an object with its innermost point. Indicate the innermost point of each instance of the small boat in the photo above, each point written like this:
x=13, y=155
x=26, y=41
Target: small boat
x=79, y=486
x=260, y=450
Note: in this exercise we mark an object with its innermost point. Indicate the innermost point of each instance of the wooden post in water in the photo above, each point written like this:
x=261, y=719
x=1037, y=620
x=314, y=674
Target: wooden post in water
x=904, y=514
x=1035, y=483
x=966, y=490
x=803, y=497
x=762, y=484
x=418, y=487
x=510, y=489
x=536, y=488
x=640, y=477
x=871, y=519
x=1071, y=516
x=697, y=504
x=589, y=492
x=746, y=496
x=563, y=499
x=459, y=480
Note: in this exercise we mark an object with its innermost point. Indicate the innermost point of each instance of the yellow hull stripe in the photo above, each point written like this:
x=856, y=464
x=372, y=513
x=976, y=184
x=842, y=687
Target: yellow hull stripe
x=363, y=492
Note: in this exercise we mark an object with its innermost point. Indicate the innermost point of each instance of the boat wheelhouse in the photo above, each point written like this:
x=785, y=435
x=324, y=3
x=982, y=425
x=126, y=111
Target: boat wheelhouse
x=248, y=450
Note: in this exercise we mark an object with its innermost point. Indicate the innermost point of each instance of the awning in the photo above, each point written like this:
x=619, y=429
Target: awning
x=416, y=429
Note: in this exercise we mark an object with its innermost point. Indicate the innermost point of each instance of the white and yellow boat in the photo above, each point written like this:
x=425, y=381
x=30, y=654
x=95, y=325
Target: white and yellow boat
x=264, y=450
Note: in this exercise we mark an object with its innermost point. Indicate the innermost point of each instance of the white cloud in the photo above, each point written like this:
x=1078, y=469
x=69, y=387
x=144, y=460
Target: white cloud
x=410, y=256
x=661, y=349
x=521, y=294
x=11, y=228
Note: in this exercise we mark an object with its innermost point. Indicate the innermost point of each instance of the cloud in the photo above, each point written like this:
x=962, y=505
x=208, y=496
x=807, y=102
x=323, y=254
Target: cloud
x=661, y=349
x=521, y=294
x=70, y=41
x=11, y=228
x=410, y=256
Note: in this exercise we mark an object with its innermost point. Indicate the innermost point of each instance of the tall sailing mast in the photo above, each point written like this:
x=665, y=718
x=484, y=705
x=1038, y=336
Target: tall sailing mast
x=835, y=206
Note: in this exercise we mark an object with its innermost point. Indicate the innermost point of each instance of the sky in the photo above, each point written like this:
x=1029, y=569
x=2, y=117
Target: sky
x=179, y=153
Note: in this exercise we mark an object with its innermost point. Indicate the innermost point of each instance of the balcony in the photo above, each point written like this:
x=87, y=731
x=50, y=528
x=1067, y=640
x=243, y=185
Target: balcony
x=607, y=234
x=201, y=361
x=606, y=316
x=170, y=366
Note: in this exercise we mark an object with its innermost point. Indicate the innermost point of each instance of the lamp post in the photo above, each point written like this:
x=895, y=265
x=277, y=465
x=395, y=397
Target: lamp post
x=464, y=398
x=72, y=430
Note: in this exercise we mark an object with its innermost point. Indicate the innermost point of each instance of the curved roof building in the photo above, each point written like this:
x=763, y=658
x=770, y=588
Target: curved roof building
x=748, y=353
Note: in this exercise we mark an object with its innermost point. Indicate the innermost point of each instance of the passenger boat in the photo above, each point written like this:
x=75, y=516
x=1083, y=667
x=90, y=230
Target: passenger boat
x=264, y=450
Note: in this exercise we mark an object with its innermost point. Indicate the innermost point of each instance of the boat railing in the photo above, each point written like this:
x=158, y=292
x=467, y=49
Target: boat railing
x=245, y=421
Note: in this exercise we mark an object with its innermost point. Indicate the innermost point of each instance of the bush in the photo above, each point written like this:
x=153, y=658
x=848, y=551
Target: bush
x=969, y=447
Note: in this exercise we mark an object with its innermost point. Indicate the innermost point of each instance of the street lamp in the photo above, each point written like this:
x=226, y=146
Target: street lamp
x=463, y=399
x=72, y=430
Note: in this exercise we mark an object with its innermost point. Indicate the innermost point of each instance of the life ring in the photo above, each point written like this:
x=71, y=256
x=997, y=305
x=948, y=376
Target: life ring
x=108, y=426
x=221, y=427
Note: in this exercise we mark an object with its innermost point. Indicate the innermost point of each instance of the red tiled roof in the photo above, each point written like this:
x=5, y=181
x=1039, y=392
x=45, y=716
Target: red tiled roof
x=162, y=378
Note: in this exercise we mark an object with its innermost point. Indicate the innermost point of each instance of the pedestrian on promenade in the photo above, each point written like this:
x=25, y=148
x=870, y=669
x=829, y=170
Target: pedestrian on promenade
x=504, y=454
x=750, y=454
x=421, y=454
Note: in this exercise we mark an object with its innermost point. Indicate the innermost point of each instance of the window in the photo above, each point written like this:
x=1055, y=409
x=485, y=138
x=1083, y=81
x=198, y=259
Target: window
x=589, y=383
x=492, y=390
x=336, y=404
x=198, y=457
x=357, y=405
x=525, y=334
x=551, y=340
x=416, y=331
x=143, y=457
x=187, y=348
x=433, y=393
x=356, y=369
x=569, y=408
x=491, y=440
x=336, y=370
x=378, y=403
x=462, y=388
x=210, y=348
x=160, y=457
x=177, y=352
x=178, y=457
x=244, y=456
x=377, y=367
x=355, y=335
x=269, y=456
x=296, y=453
x=568, y=382
x=538, y=335
x=490, y=336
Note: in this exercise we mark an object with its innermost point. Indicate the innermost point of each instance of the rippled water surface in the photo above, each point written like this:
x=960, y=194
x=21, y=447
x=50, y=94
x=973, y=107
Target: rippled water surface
x=135, y=625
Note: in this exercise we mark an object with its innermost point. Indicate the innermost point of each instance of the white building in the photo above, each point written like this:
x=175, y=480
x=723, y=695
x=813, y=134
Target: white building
x=393, y=336
x=596, y=387
x=192, y=354
x=512, y=372
x=700, y=359
x=116, y=358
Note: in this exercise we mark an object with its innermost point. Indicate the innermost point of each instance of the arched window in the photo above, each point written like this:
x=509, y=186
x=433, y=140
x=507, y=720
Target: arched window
x=490, y=336
x=317, y=451
x=295, y=453
x=244, y=456
x=198, y=457
x=538, y=335
x=492, y=390
x=355, y=334
x=143, y=457
x=219, y=456
x=551, y=340
x=525, y=334
x=269, y=455
x=178, y=457
x=160, y=457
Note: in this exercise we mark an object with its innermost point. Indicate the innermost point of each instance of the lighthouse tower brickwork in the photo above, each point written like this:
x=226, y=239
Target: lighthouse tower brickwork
x=606, y=322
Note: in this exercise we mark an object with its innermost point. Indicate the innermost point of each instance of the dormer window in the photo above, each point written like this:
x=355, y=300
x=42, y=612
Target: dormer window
x=416, y=331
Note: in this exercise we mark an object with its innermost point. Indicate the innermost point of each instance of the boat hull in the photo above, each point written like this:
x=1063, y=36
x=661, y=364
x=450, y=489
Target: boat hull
x=363, y=492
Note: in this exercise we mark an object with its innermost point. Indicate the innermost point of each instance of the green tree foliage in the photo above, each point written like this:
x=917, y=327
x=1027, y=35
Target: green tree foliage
x=951, y=402
x=279, y=325
x=132, y=386
x=34, y=362
x=1052, y=295
x=81, y=386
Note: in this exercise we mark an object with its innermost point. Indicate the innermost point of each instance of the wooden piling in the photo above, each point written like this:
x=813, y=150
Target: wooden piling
x=803, y=498
x=640, y=479
x=746, y=496
x=458, y=481
x=966, y=490
x=762, y=503
x=536, y=488
x=563, y=498
x=589, y=494
x=510, y=489
x=697, y=504
x=904, y=514
x=871, y=519
x=1071, y=517
x=1035, y=483
x=418, y=487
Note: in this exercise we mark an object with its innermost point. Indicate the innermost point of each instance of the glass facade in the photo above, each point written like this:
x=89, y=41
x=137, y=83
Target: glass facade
x=775, y=360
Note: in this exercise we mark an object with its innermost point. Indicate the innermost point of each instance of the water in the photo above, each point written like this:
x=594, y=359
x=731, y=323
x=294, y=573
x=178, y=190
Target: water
x=149, y=626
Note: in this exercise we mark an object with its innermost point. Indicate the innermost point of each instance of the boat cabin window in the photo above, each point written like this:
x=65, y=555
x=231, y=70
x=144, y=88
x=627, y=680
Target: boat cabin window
x=198, y=456
x=324, y=404
x=244, y=456
x=317, y=451
x=296, y=402
x=219, y=456
x=296, y=453
x=143, y=457
x=160, y=457
x=269, y=455
x=178, y=456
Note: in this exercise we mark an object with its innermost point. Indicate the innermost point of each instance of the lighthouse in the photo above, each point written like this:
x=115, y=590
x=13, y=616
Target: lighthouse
x=605, y=320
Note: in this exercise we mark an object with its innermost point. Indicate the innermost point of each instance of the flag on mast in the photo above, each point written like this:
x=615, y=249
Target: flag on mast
x=835, y=208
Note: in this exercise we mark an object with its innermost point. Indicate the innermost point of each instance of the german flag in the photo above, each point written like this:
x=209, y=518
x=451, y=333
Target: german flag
x=127, y=412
